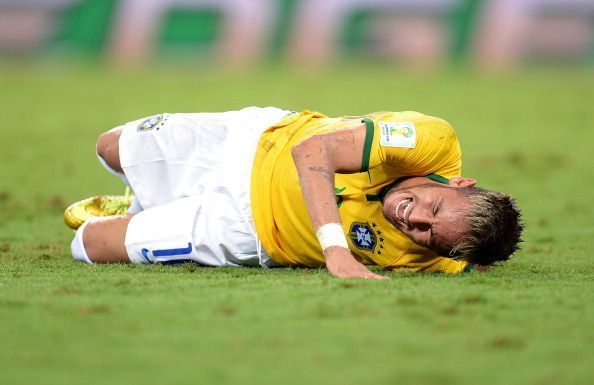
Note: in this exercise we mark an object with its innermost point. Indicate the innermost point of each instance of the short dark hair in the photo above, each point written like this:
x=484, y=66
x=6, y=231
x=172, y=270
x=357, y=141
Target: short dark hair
x=495, y=225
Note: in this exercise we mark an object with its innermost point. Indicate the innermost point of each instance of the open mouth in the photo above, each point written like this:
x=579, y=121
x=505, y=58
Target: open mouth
x=403, y=210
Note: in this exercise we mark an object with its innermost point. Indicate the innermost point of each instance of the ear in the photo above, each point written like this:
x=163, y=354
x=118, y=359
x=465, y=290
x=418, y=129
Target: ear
x=459, y=181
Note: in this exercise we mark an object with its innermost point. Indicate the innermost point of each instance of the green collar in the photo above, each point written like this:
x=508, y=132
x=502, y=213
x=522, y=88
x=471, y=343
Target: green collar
x=437, y=178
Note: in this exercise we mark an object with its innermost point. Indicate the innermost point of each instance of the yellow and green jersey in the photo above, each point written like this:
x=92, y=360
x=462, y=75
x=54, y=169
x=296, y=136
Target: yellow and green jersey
x=397, y=144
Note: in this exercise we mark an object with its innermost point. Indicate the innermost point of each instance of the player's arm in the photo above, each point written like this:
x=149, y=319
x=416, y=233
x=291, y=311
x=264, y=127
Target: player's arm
x=317, y=158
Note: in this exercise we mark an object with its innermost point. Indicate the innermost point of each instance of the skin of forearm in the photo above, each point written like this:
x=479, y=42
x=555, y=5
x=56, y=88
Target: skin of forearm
x=316, y=176
x=317, y=159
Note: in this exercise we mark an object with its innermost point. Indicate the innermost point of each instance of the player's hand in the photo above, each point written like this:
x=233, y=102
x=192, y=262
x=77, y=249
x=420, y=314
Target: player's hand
x=341, y=264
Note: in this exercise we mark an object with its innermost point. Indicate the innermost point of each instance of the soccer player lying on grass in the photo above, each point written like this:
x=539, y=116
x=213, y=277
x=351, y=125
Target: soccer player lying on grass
x=271, y=187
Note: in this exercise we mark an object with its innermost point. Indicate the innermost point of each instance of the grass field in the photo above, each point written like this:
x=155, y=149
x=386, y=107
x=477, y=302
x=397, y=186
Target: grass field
x=528, y=322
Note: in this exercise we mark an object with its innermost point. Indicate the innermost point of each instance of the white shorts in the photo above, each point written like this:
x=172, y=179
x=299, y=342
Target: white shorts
x=191, y=174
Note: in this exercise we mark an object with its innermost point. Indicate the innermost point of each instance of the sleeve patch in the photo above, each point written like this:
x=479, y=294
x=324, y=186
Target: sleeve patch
x=398, y=134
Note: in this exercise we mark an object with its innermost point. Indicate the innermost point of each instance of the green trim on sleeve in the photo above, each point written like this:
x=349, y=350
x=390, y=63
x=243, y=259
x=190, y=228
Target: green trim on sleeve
x=369, y=131
x=438, y=178
x=340, y=198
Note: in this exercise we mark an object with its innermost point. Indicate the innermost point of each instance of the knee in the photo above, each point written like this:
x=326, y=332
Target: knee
x=105, y=143
x=109, y=150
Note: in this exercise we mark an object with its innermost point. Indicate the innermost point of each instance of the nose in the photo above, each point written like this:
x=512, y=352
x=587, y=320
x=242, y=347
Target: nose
x=419, y=218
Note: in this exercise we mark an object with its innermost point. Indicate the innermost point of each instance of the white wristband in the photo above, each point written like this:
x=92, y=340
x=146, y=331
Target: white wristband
x=331, y=234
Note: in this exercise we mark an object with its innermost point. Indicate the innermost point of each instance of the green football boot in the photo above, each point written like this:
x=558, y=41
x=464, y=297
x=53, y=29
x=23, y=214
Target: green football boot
x=99, y=206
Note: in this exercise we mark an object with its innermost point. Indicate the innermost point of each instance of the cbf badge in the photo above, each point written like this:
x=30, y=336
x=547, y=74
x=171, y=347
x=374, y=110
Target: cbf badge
x=398, y=134
x=151, y=123
x=363, y=236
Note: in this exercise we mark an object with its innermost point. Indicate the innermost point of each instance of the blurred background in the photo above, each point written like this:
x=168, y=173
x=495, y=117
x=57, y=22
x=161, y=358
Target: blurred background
x=486, y=34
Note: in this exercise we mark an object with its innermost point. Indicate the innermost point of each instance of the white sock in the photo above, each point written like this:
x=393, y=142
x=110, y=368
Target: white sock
x=78, y=247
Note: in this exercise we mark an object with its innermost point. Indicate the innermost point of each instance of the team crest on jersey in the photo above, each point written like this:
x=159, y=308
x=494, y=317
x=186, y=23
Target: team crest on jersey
x=363, y=236
x=151, y=123
x=398, y=134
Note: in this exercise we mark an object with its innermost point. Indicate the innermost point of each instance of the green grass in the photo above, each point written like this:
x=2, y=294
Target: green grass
x=528, y=322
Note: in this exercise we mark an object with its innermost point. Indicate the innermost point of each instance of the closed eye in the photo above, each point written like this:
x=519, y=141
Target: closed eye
x=436, y=206
x=432, y=234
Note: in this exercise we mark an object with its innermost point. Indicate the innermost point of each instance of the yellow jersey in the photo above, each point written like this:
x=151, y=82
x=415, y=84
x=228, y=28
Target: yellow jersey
x=397, y=144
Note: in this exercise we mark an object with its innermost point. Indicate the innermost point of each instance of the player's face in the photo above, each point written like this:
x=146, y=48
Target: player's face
x=431, y=215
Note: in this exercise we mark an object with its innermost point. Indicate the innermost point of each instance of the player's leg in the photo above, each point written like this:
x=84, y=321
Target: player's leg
x=194, y=207
x=108, y=153
x=208, y=229
x=169, y=156
x=102, y=240
x=161, y=234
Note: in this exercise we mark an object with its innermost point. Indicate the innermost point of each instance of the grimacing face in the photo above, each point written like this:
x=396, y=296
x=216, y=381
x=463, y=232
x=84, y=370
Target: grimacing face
x=433, y=215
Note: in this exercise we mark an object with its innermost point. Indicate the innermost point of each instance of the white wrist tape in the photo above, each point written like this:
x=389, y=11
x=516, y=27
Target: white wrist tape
x=331, y=234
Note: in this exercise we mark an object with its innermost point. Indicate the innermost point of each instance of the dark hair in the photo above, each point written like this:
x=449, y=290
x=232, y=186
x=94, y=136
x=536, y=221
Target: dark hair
x=495, y=227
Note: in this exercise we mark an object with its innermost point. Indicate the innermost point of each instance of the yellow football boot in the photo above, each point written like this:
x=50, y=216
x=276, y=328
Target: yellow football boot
x=99, y=206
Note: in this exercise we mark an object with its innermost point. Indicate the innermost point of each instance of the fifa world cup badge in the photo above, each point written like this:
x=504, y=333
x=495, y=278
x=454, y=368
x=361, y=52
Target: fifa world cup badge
x=398, y=134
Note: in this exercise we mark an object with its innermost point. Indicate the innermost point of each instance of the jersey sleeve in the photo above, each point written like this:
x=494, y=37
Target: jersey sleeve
x=413, y=144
